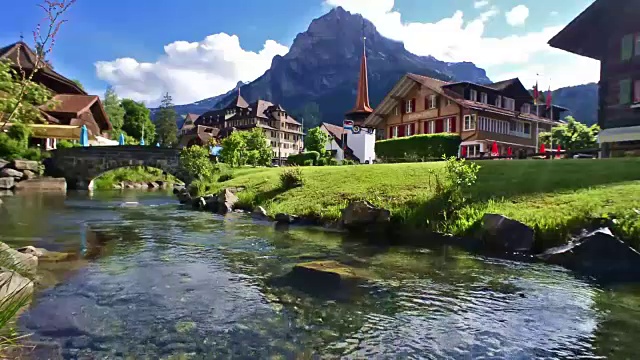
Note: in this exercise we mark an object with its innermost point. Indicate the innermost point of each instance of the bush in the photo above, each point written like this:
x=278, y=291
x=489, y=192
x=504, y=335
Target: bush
x=322, y=162
x=418, y=147
x=196, y=162
x=19, y=132
x=291, y=178
x=332, y=162
x=10, y=149
x=308, y=163
x=66, y=144
x=450, y=187
x=300, y=159
x=348, y=162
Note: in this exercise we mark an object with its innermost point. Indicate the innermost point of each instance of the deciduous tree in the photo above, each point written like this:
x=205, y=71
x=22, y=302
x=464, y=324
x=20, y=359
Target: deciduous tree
x=137, y=121
x=573, y=135
x=316, y=140
x=114, y=110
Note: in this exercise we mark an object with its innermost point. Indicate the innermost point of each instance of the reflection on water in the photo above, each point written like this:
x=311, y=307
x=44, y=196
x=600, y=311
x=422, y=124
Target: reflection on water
x=155, y=281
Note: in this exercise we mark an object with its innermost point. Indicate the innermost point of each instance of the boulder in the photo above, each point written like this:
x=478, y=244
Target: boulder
x=25, y=165
x=7, y=183
x=599, y=254
x=259, y=213
x=13, y=259
x=282, y=218
x=45, y=255
x=325, y=273
x=128, y=185
x=199, y=203
x=12, y=173
x=3, y=163
x=14, y=285
x=117, y=186
x=43, y=183
x=226, y=201
x=153, y=185
x=183, y=196
x=211, y=203
x=28, y=174
x=362, y=214
x=178, y=189
x=503, y=234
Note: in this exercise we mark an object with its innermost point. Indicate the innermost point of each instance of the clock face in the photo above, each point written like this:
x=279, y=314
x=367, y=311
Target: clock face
x=356, y=129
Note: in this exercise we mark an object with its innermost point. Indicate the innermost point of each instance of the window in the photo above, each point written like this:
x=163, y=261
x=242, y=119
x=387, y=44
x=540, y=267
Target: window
x=472, y=150
x=626, y=47
x=473, y=95
x=407, y=130
x=395, y=131
x=432, y=102
x=484, y=98
x=432, y=127
x=396, y=111
x=447, y=125
x=469, y=122
x=448, y=102
x=526, y=108
x=637, y=45
x=527, y=128
x=408, y=106
x=636, y=92
x=625, y=92
x=499, y=101
x=509, y=104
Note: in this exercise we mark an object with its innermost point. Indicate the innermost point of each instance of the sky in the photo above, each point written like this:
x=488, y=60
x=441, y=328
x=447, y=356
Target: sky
x=195, y=49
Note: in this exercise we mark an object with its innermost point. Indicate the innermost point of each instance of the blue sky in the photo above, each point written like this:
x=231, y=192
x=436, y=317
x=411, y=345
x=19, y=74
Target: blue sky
x=98, y=33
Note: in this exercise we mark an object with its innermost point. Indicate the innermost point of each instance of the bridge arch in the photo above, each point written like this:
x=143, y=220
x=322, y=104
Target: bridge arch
x=80, y=165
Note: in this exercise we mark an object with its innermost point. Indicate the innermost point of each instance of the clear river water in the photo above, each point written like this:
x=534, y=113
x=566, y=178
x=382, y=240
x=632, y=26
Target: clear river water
x=156, y=281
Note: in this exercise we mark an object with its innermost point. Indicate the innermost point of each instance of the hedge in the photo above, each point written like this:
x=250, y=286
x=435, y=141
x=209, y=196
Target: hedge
x=418, y=147
x=301, y=159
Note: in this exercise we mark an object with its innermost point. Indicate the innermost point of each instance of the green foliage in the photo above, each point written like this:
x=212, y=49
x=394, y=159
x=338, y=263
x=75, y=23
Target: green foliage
x=26, y=108
x=412, y=148
x=136, y=118
x=77, y=82
x=571, y=136
x=225, y=177
x=66, y=144
x=135, y=174
x=114, y=110
x=166, y=127
x=303, y=159
x=316, y=140
x=195, y=160
x=348, y=162
x=322, y=162
x=20, y=132
x=332, y=162
x=246, y=147
x=291, y=178
x=13, y=144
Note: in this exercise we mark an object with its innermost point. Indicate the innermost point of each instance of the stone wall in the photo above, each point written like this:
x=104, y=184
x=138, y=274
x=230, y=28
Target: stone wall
x=80, y=165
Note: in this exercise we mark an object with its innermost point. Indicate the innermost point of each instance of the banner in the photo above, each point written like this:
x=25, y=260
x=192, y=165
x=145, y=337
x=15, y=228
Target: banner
x=347, y=125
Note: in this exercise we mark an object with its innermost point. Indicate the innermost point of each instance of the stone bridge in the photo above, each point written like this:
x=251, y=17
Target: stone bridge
x=80, y=165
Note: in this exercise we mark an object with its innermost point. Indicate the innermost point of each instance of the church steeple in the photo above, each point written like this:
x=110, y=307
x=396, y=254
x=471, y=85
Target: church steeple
x=362, y=108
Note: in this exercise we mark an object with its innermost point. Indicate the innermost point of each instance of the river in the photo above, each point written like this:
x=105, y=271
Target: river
x=158, y=281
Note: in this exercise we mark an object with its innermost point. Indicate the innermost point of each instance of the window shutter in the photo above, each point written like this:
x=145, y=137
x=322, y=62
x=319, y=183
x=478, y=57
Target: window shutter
x=625, y=91
x=439, y=126
x=391, y=132
x=413, y=129
x=401, y=131
x=453, y=124
x=636, y=91
x=426, y=102
x=413, y=105
x=403, y=107
x=627, y=47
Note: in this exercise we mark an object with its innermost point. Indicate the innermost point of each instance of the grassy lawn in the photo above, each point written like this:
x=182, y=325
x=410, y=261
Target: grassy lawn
x=135, y=174
x=553, y=196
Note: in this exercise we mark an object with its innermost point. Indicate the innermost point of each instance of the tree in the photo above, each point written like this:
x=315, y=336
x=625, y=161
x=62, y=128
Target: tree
x=573, y=135
x=166, y=128
x=258, y=147
x=137, y=121
x=196, y=162
x=316, y=140
x=20, y=97
x=234, y=148
x=78, y=83
x=114, y=110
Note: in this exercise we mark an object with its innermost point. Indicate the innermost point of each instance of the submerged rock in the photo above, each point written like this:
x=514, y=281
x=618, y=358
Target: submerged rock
x=503, y=234
x=183, y=195
x=598, y=254
x=361, y=215
x=45, y=255
x=285, y=219
x=325, y=273
x=226, y=201
x=44, y=183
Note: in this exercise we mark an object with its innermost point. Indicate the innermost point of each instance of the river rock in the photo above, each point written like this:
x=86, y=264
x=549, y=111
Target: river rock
x=183, y=196
x=282, y=219
x=45, y=255
x=25, y=165
x=3, y=163
x=43, y=183
x=599, y=254
x=211, y=203
x=503, y=234
x=226, y=201
x=13, y=259
x=153, y=185
x=199, y=203
x=259, y=213
x=13, y=285
x=325, y=273
x=7, y=183
x=28, y=174
x=8, y=172
x=362, y=214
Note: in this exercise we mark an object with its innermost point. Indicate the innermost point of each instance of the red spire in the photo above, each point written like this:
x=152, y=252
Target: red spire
x=362, y=99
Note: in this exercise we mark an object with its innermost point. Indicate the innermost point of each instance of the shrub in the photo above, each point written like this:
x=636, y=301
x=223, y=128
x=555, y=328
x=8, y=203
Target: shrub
x=19, y=132
x=418, y=147
x=66, y=144
x=196, y=162
x=300, y=159
x=10, y=149
x=449, y=187
x=33, y=154
x=322, y=162
x=332, y=162
x=308, y=163
x=348, y=162
x=291, y=178
x=225, y=177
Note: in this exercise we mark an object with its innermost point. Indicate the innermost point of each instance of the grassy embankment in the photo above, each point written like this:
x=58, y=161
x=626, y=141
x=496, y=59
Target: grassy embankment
x=555, y=197
x=134, y=174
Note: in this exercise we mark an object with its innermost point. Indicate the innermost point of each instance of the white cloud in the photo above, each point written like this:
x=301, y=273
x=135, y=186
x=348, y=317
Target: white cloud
x=517, y=16
x=480, y=3
x=458, y=39
x=189, y=71
x=554, y=13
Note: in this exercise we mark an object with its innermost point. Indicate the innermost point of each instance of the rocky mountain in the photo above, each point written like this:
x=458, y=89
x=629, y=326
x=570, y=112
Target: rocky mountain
x=582, y=100
x=317, y=78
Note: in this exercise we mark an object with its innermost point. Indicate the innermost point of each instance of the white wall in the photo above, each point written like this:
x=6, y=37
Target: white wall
x=333, y=145
x=363, y=145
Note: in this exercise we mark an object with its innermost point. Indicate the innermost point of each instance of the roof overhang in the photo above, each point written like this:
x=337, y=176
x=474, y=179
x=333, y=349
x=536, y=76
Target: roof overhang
x=631, y=133
x=399, y=90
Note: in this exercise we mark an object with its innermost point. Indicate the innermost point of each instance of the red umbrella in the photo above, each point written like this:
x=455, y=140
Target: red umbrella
x=509, y=151
x=494, y=149
x=543, y=149
x=559, y=151
x=463, y=153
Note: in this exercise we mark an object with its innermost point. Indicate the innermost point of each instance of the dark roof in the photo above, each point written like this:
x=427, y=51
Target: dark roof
x=259, y=108
x=502, y=85
x=336, y=131
x=21, y=53
x=584, y=34
x=238, y=101
x=74, y=105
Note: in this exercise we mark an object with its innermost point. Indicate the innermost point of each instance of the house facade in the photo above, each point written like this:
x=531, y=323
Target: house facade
x=502, y=112
x=70, y=107
x=283, y=132
x=609, y=31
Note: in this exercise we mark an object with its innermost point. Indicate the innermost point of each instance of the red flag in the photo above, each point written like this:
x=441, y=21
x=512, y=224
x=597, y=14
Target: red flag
x=549, y=98
x=559, y=152
x=509, y=151
x=543, y=149
x=536, y=94
x=494, y=149
x=463, y=152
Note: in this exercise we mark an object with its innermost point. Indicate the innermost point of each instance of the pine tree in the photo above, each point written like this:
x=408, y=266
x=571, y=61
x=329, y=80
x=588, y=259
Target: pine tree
x=166, y=128
x=114, y=110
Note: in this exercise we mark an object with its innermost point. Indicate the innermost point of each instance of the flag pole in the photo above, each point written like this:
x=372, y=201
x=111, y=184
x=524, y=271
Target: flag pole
x=551, y=116
x=535, y=103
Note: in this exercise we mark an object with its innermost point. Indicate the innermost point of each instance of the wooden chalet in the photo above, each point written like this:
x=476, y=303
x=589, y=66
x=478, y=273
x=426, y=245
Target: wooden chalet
x=609, y=31
x=283, y=131
x=502, y=112
x=69, y=109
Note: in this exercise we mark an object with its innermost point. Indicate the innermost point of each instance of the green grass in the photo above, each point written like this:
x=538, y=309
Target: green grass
x=553, y=196
x=135, y=174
